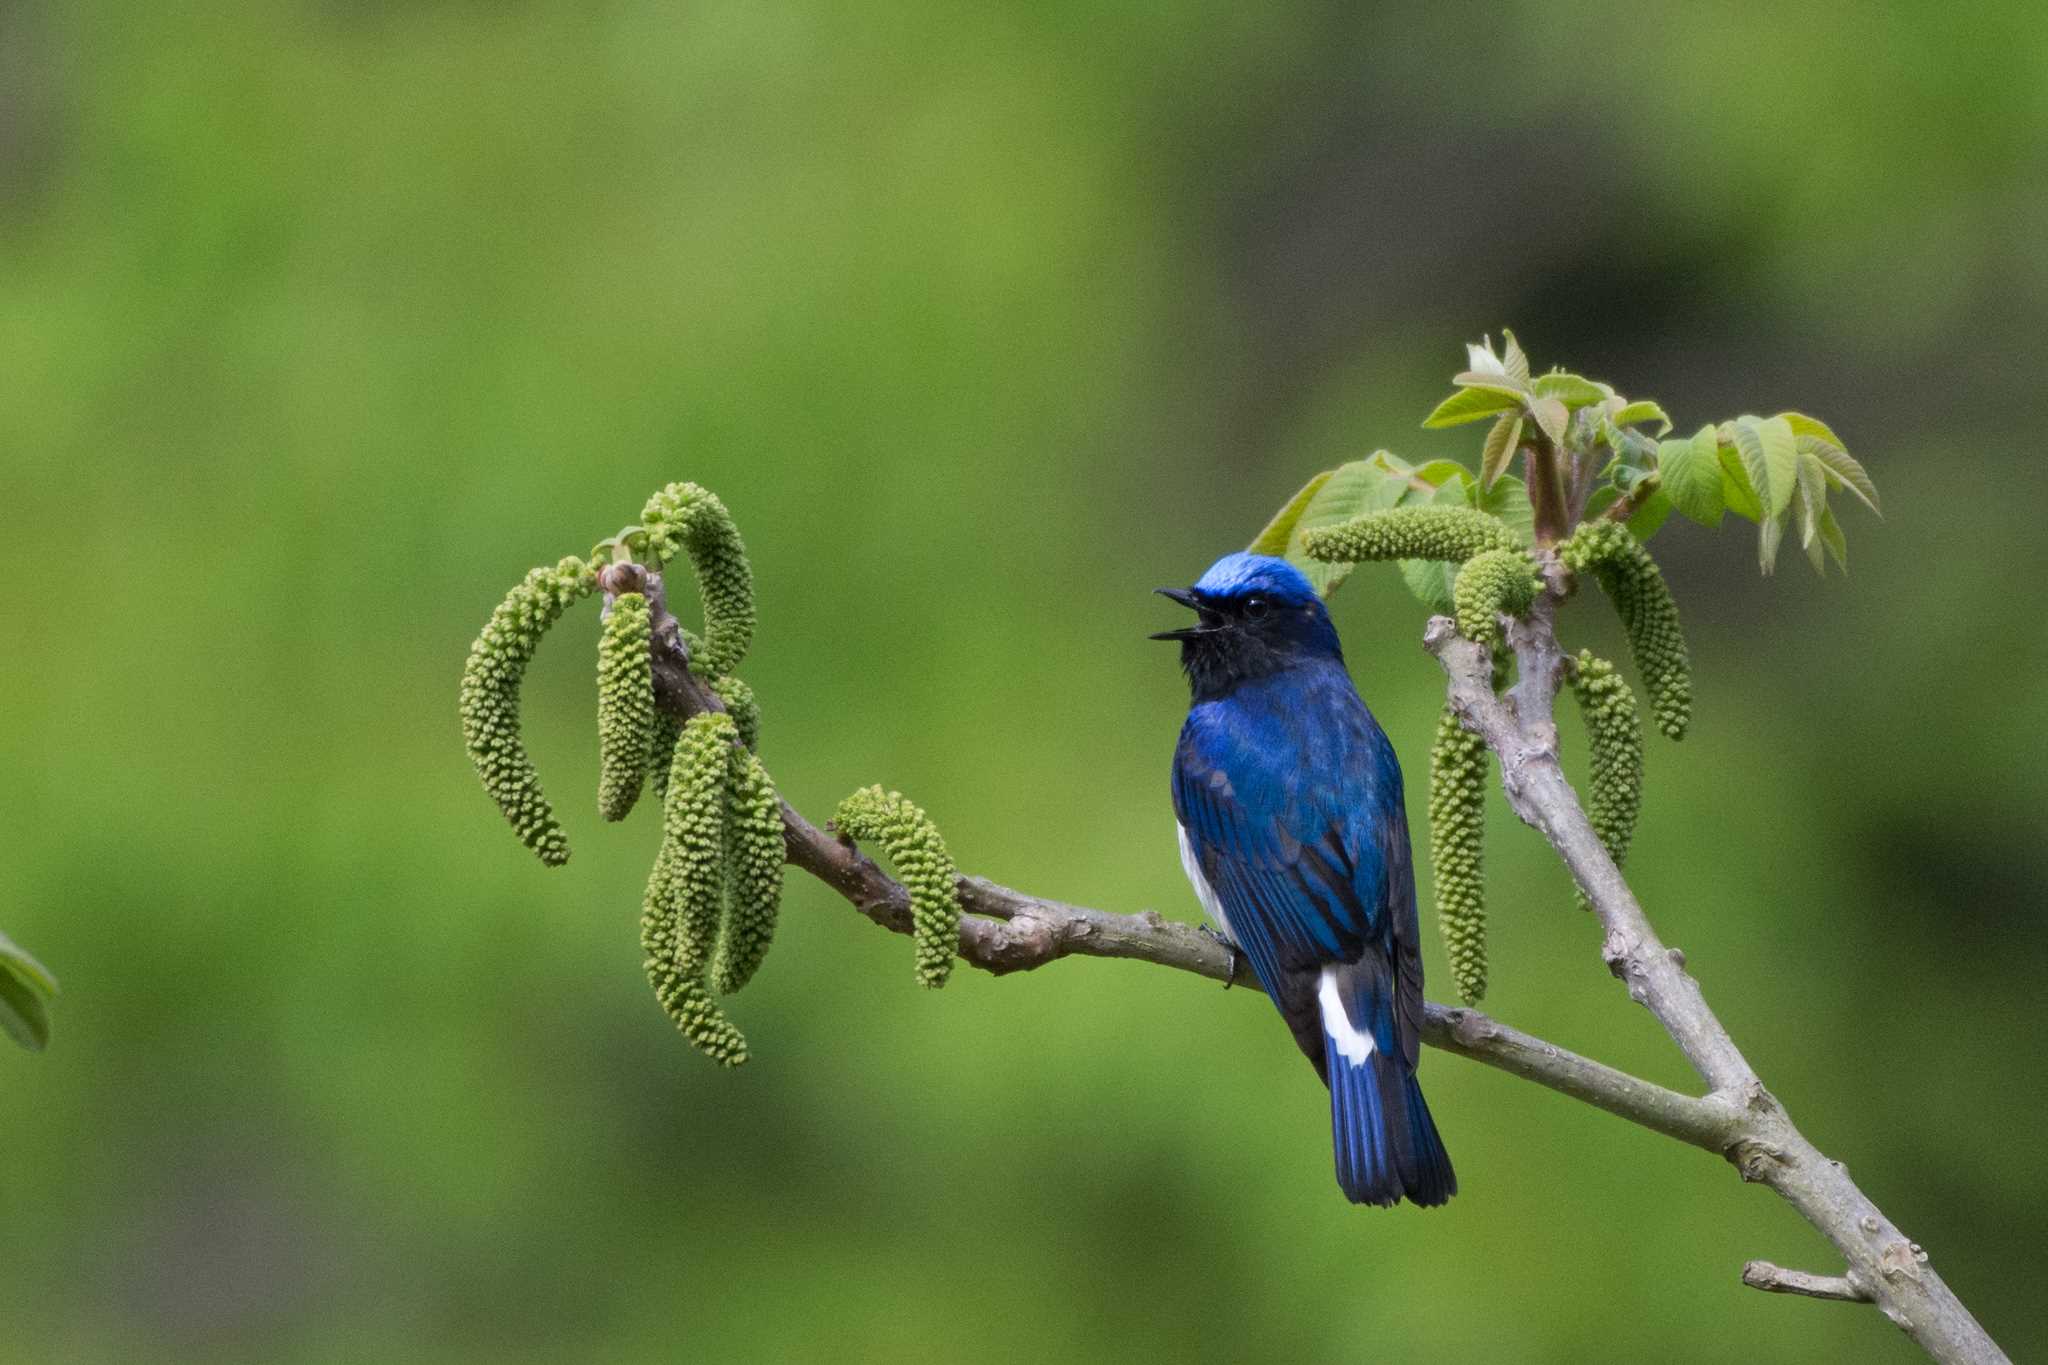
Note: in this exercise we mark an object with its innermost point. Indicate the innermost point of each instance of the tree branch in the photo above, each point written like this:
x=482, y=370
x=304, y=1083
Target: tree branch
x=1765, y=1146
x=1773, y=1279
x=1005, y=930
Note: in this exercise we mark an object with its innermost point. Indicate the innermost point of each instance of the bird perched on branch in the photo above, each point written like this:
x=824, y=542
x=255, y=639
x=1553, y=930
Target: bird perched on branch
x=1293, y=833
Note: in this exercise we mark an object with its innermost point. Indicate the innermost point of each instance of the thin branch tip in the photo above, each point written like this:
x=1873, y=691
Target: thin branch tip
x=1776, y=1279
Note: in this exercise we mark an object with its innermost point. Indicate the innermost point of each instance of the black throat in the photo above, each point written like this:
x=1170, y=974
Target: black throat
x=1217, y=662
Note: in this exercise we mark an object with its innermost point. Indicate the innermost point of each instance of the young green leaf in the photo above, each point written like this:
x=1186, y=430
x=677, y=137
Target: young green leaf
x=1501, y=443
x=1512, y=360
x=1737, y=491
x=1770, y=455
x=23, y=1015
x=1802, y=425
x=1552, y=416
x=1437, y=473
x=1811, y=499
x=1273, y=540
x=1770, y=531
x=1831, y=536
x=1650, y=515
x=1843, y=470
x=1471, y=403
x=1642, y=410
x=1574, y=391
x=1373, y=484
x=1509, y=501
x=26, y=986
x=1691, y=474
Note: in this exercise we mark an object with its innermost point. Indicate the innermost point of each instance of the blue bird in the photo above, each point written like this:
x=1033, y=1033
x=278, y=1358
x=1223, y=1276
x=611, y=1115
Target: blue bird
x=1293, y=833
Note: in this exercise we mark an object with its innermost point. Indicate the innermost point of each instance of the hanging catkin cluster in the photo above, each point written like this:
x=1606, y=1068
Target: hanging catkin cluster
x=709, y=913
x=490, y=701
x=1452, y=534
x=1628, y=575
x=1615, y=734
x=1457, y=825
x=679, y=920
x=1493, y=582
x=926, y=869
x=625, y=705
x=686, y=518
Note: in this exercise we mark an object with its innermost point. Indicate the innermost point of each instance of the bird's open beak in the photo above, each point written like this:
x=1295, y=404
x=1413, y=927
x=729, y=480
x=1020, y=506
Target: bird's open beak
x=1186, y=597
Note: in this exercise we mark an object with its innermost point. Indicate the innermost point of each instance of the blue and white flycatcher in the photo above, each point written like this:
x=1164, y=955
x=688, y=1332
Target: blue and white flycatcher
x=1293, y=833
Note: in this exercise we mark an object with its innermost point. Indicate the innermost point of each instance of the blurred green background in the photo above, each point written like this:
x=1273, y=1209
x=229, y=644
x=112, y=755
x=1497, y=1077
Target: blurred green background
x=321, y=322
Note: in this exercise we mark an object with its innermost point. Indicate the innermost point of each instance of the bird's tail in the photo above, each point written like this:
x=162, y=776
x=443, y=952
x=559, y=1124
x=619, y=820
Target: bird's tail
x=1387, y=1144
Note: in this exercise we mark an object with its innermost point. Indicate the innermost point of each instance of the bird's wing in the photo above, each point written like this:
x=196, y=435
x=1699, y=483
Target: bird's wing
x=1302, y=835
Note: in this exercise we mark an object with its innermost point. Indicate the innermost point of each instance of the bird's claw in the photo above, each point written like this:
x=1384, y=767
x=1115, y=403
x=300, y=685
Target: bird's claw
x=1223, y=941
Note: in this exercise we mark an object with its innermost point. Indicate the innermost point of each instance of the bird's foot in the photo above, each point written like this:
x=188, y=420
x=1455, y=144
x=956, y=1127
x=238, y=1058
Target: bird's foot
x=1223, y=941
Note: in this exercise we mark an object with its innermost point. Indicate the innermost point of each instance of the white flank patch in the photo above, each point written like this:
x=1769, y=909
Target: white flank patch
x=1353, y=1046
x=1204, y=892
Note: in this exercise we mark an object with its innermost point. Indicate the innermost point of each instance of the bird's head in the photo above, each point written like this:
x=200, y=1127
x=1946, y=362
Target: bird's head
x=1254, y=615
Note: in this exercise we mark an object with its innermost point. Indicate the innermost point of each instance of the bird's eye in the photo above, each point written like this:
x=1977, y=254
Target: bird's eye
x=1255, y=608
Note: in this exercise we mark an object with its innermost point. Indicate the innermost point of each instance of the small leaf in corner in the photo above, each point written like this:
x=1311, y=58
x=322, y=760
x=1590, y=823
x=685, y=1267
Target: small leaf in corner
x=1553, y=416
x=1831, y=536
x=1499, y=453
x=1650, y=515
x=1642, y=410
x=1514, y=362
x=1471, y=403
x=1691, y=473
x=1574, y=391
x=1273, y=540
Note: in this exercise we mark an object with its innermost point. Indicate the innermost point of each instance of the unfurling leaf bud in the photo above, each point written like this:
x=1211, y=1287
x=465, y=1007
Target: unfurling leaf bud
x=685, y=518
x=1452, y=534
x=1615, y=734
x=1493, y=582
x=625, y=705
x=753, y=868
x=490, y=701
x=686, y=890
x=740, y=704
x=1649, y=616
x=923, y=865
x=1457, y=826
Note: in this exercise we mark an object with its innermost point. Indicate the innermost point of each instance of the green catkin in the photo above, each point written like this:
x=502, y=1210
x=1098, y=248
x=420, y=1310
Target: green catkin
x=753, y=873
x=661, y=752
x=686, y=518
x=1615, y=734
x=490, y=701
x=1493, y=582
x=745, y=711
x=1649, y=616
x=924, y=866
x=686, y=890
x=625, y=706
x=661, y=749
x=1457, y=825
x=1452, y=534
